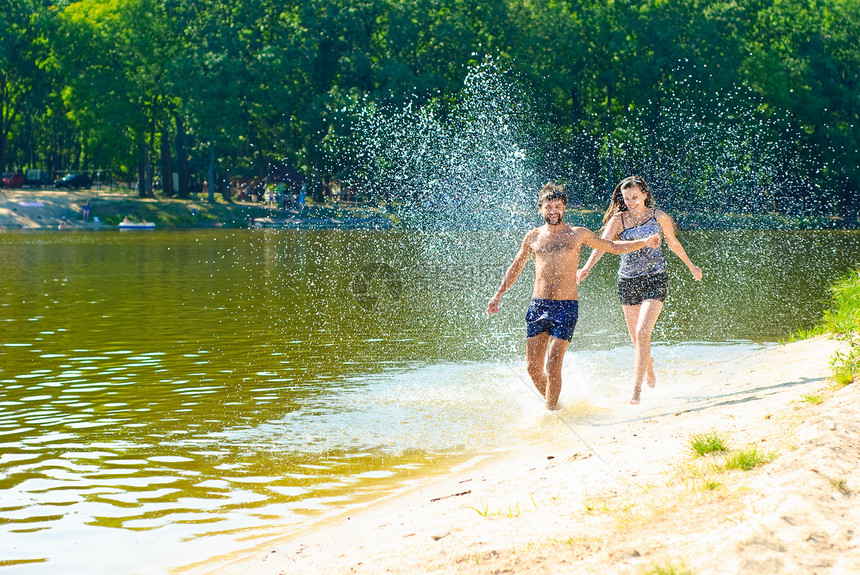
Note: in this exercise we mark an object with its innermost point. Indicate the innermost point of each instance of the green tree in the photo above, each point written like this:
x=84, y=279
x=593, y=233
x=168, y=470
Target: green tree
x=22, y=82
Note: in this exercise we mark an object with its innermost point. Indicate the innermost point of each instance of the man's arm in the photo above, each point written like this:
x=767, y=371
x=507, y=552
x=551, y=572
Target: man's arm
x=612, y=229
x=619, y=247
x=512, y=274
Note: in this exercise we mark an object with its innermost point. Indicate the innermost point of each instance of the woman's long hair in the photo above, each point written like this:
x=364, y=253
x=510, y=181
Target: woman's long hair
x=616, y=204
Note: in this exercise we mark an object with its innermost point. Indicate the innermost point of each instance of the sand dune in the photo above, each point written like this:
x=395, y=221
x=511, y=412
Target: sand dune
x=633, y=497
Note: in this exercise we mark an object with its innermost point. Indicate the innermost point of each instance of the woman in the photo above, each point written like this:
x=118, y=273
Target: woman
x=642, y=277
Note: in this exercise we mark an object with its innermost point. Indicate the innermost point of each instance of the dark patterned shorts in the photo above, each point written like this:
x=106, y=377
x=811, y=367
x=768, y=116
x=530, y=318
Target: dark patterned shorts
x=633, y=291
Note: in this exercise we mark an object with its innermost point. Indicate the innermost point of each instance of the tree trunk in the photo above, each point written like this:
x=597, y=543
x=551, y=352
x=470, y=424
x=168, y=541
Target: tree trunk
x=211, y=179
x=144, y=173
x=224, y=185
x=166, y=165
x=3, y=140
x=141, y=178
x=182, y=159
x=149, y=175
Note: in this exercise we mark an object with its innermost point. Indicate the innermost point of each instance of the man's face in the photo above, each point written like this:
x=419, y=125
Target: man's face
x=552, y=211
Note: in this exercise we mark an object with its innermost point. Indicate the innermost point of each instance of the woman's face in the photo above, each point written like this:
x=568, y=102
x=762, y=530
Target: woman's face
x=634, y=198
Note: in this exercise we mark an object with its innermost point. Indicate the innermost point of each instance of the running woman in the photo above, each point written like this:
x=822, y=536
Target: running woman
x=642, y=278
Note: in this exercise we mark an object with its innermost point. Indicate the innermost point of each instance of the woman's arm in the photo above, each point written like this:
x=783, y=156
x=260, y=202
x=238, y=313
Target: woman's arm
x=668, y=227
x=611, y=231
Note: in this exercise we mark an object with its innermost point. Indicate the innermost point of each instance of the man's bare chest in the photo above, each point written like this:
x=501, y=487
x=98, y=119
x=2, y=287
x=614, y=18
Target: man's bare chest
x=559, y=245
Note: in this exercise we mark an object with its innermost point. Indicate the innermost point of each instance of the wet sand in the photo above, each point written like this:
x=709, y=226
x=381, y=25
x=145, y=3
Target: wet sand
x=628, y=496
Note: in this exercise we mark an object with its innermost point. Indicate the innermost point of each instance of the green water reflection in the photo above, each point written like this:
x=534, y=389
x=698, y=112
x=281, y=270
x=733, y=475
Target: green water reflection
x=197, y=383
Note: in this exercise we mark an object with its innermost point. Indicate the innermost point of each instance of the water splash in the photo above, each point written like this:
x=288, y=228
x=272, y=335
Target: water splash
x=478, y=162
x=467, y=164
x=702, y=151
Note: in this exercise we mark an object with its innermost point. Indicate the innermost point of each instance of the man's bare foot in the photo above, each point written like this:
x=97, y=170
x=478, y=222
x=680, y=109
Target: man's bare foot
x=650, y=376
x=552, y=407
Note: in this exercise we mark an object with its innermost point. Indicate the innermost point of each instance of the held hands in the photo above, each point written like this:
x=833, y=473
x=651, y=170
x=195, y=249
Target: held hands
x=581, y=274
x=653, y=241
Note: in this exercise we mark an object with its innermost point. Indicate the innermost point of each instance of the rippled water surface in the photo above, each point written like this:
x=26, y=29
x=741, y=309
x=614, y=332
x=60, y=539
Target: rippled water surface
x=166, y=395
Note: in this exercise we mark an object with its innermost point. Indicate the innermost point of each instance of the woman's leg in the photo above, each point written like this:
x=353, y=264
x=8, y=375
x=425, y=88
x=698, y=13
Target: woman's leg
x=641, y=320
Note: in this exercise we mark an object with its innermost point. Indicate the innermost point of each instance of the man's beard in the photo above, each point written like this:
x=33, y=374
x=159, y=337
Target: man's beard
x=559, y=222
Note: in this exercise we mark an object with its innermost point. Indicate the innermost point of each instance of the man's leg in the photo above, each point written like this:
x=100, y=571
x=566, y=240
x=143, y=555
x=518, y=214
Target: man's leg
x=536, y=355
x=554, y=358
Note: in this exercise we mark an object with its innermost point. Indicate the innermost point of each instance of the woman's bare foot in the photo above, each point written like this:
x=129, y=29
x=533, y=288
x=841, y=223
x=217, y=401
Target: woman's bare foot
x=637, y=391
x=650, y=376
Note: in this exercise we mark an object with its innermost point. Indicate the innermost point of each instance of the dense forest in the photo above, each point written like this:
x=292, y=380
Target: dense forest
x=227, y=90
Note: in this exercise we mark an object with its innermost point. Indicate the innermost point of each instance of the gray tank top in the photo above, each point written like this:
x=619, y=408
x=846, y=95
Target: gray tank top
x=645, y=261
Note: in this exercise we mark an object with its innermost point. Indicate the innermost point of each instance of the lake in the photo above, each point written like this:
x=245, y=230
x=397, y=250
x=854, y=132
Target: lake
x=173, y=395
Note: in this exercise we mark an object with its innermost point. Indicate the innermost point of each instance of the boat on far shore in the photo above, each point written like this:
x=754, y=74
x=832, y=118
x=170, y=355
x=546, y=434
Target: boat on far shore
x=128, y=225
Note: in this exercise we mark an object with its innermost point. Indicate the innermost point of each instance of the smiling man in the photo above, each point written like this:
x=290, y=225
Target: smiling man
x=554, y=309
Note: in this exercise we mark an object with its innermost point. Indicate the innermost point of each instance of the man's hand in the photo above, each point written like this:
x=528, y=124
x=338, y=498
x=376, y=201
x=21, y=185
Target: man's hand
x=493, y=306
x=653, y=241
x=581, y=274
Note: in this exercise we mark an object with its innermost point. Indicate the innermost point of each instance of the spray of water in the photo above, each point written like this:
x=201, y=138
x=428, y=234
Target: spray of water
x=477, y=159
x=467, y=164
x=726, y=152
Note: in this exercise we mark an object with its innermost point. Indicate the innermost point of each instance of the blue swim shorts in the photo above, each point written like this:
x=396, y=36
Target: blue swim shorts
x=556, y=316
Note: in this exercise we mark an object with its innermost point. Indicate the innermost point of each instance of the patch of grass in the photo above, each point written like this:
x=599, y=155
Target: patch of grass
x=840, y=484
x=813, y=399
x=711, y=484
x=483, y=513
x=667, y=569
x=746, y=459
x=618, y=509
x=511, y=512
x=844, y=316
x=802, y=334
x=842, y=319
x=845, y=367
x=704, y=443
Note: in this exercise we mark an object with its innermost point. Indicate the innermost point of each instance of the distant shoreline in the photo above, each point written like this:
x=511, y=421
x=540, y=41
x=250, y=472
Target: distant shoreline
x=22, y=209
x=49, y=209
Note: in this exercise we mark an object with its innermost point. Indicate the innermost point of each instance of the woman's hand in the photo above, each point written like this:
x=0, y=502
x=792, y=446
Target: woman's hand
x=697, y=272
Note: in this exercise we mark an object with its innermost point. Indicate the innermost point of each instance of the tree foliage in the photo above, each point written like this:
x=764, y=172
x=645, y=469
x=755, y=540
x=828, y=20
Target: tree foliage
x=230, y=88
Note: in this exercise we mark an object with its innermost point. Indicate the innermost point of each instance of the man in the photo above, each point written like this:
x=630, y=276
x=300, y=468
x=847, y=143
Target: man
x=551, y=317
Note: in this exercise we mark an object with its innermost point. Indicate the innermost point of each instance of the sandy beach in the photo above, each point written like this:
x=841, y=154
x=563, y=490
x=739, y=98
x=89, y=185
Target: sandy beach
x=627, y=497
x=44, y=209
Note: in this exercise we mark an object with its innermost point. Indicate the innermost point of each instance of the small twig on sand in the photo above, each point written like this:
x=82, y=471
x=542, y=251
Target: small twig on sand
x=452, y=495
